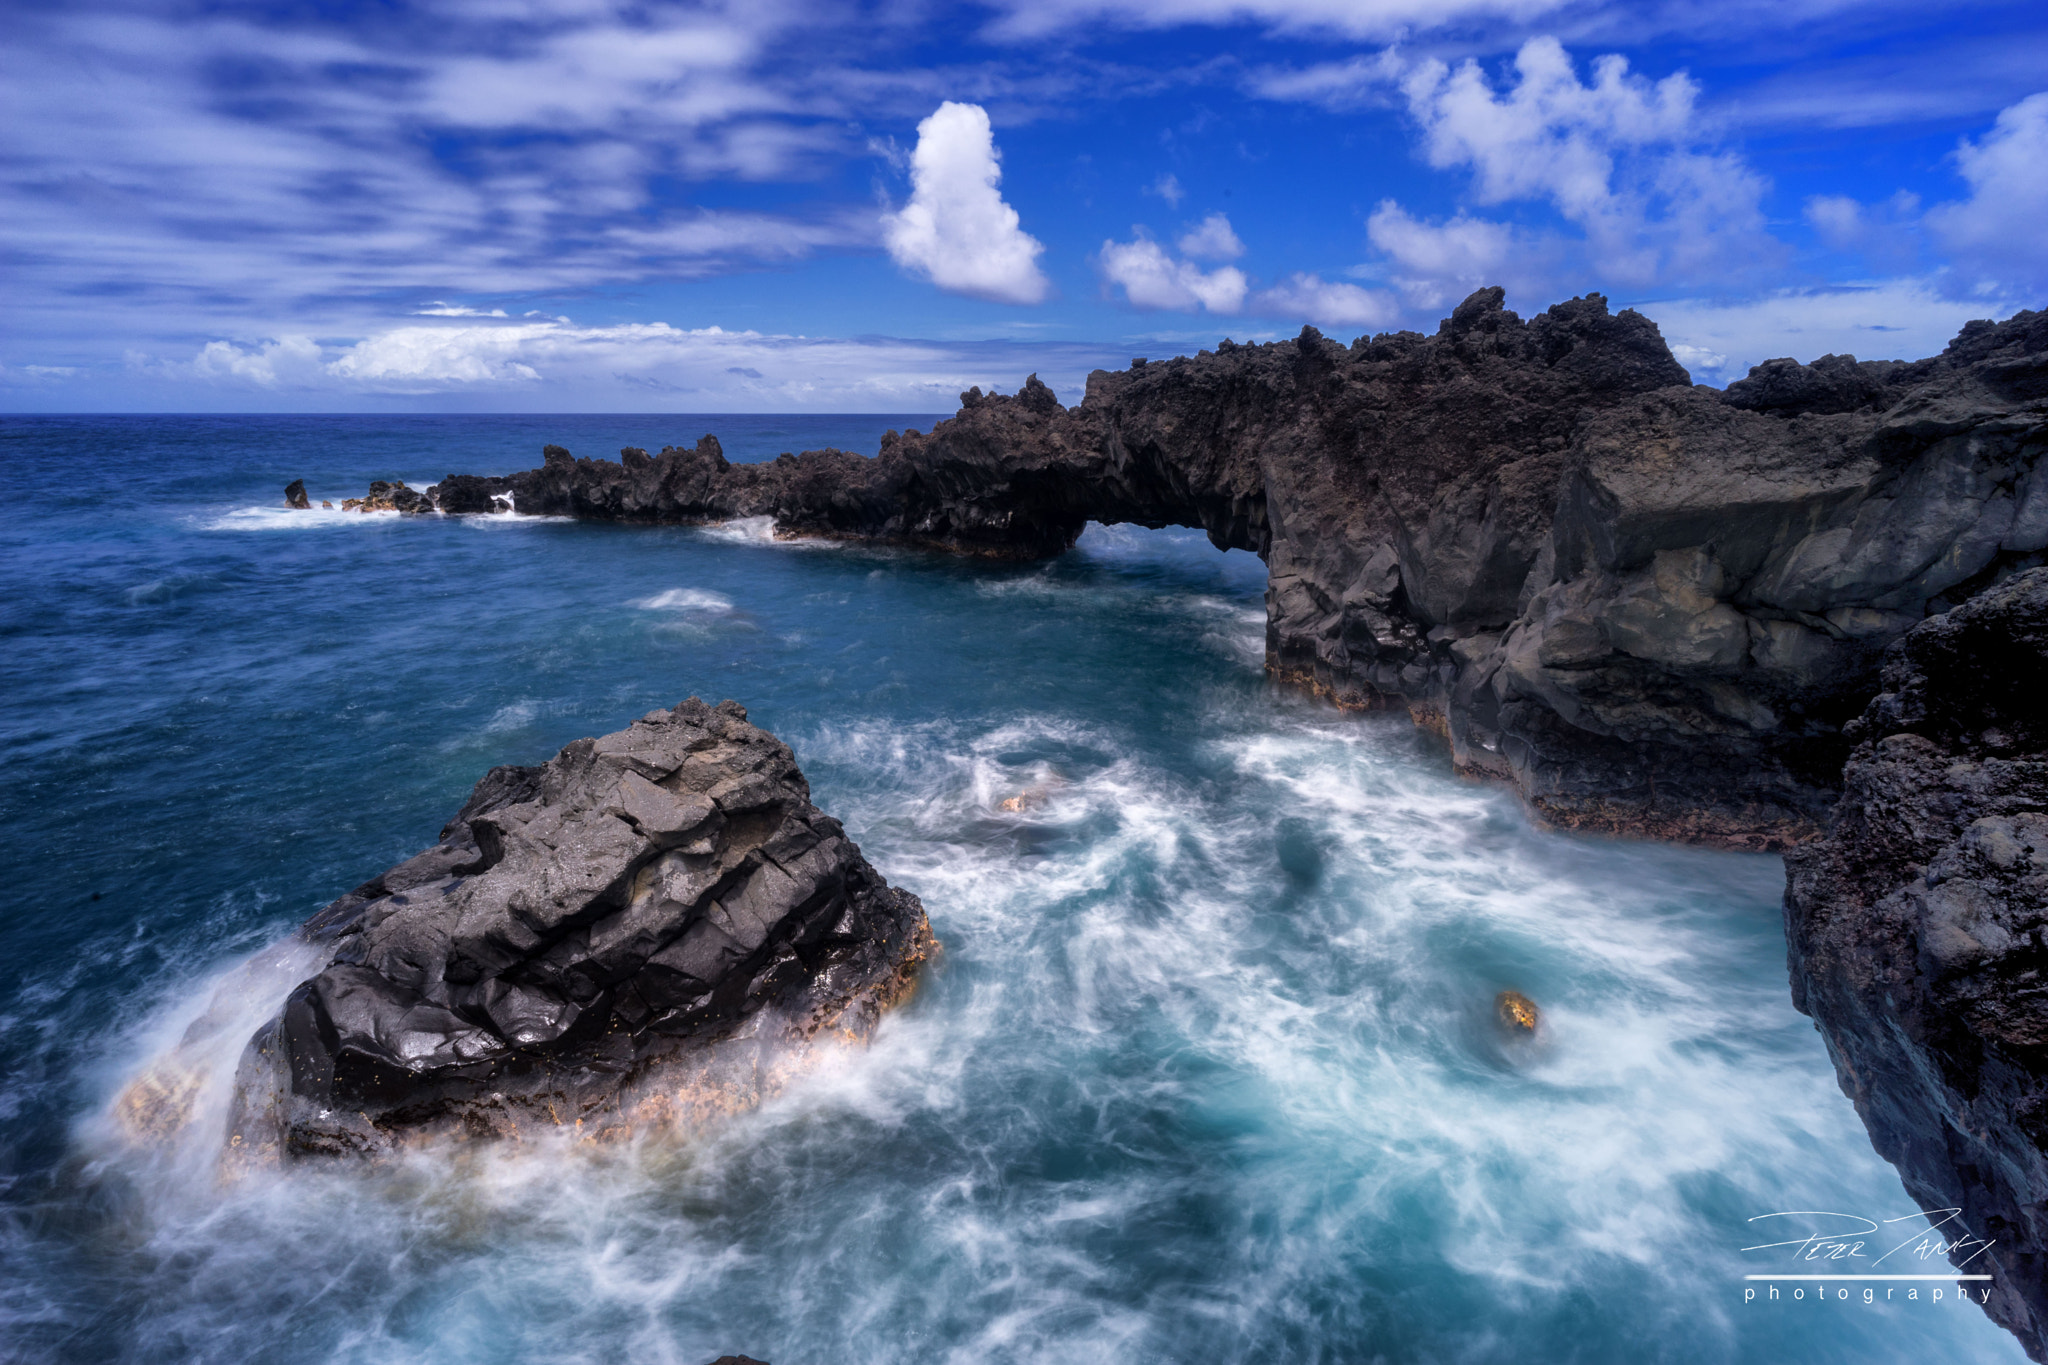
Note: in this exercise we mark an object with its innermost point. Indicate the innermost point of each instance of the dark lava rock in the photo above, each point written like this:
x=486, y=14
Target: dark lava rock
x=390, y=497
x=295, y=495
x=655, y=925
x=1918, y=931
x=466, y=493
x=1649, y=605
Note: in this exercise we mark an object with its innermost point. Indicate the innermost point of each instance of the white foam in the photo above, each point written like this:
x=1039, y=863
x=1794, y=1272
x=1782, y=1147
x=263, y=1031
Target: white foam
x=686, y=600
x=743, y=531
x=291, y=519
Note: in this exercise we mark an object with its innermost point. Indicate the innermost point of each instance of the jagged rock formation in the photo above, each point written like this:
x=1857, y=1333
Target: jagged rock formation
x=1918, y=931
x=295, y=496
x=1650, y=605
x=653, y=925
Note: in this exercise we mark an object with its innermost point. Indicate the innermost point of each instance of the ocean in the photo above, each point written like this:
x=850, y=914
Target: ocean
x=1206, y=1073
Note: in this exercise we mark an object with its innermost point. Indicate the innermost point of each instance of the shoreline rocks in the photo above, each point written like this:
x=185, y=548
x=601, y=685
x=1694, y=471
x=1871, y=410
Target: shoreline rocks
x=651, y=928
x=1917, y=932
x=1650, y=606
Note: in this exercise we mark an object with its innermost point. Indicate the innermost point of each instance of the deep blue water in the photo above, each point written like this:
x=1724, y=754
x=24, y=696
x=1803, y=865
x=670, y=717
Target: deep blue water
x=1206, y=1073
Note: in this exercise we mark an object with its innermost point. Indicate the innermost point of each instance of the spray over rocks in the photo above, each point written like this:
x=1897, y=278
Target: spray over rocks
x=652, y=928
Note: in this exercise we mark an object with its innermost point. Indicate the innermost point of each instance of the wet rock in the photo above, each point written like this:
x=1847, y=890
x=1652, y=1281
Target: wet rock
x=467, y=494
x=654, y=926
x=1918, y=932
x=295, y=495
x=390, y=497
x=1649, y=605
x=1517, y=1012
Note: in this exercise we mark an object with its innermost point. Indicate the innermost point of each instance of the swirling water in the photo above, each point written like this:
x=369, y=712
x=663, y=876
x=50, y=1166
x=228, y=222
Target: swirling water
x=1206, y=1073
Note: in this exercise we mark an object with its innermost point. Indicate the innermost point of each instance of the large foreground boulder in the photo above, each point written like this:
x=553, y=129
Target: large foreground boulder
x=654, y=924
x=1918, y=933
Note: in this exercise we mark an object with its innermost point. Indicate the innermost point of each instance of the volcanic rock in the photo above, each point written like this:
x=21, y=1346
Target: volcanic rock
x=1650, y=605
x=1918, y=933
x=1517, y=1012
x=390, y=497
x=654, y=925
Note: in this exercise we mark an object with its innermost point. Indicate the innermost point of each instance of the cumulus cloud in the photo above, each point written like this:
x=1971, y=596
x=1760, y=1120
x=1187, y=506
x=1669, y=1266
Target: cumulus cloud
x=1439, y=263
x=1621, y=157
x=1151, y=278
x=1999, y=234
x=1212, y=239
x=956, y=230
x=263, y=364
x=1310, y=298
x=1167, y=187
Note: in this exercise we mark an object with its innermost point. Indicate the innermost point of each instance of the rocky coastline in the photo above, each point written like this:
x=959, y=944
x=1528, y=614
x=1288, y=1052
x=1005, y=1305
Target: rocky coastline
x=654, y=927
x=1806, y=614
x=1649, y=605
x=1917, y=932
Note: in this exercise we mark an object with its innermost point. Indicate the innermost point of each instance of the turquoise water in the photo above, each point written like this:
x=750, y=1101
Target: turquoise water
x=1206, y=1072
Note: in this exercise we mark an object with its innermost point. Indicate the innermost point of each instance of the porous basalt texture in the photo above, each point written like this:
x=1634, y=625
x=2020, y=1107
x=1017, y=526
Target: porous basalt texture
x=1651, y=606
x=655, y=925
x=1918, y=931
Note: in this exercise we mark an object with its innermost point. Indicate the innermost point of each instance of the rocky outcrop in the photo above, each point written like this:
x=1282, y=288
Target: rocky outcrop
x=654, y=925
x=390, y=497
x=295, y=496
x=1918, y=932
x=1650, y=605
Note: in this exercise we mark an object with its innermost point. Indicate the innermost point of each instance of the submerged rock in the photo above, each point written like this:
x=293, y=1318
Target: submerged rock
x=1517, y=1012
x=1918, y=933
x=655, y=925
x=1650, y=605
x=295, y=496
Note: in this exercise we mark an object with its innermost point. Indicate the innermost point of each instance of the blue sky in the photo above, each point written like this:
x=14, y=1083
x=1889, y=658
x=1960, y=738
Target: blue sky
x=577, y=205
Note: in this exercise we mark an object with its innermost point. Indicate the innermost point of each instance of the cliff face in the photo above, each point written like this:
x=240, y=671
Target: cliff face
x=1918, y=932
x=653, y=925
x=1651, y=606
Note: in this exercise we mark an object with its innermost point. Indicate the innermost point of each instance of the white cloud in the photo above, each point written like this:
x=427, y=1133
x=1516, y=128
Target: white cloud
x=1899, y=319
x=1348, y=84
x=1167, y=187
x=1150, y=278
x=1311, y=298
x=956, y=230
x=1354, y=18
x=1999, y=235
x=264, y=364
x=549, y=365
x=438, y=309
x=1623, y=158
x=1439, y=263
x=1703, y=363
x=1211, y=240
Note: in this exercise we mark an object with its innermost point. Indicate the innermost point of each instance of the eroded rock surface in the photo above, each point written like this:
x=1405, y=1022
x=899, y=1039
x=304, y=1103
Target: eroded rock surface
x=1652, y=606
x=1918, y=931
x=654, y=925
